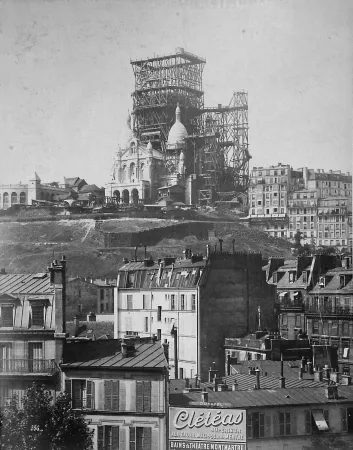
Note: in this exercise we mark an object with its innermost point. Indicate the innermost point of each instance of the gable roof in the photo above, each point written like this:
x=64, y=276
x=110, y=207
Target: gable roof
x=106, y=354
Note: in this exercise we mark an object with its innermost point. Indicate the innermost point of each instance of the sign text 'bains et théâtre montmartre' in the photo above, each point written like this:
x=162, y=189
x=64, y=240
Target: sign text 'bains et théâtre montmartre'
x=207, y=429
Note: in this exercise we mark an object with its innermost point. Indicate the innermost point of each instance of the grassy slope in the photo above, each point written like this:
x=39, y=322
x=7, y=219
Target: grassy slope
x=30, y=247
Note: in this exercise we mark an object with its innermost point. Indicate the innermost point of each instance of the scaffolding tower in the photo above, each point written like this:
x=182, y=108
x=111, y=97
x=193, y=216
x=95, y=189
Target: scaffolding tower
x=230, y=160
x=218, y=136
x=161, y=83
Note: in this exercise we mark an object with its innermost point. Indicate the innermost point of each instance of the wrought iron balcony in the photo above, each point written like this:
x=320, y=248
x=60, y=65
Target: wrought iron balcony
x=289, y=304
x=328, y=309
x=28, y=366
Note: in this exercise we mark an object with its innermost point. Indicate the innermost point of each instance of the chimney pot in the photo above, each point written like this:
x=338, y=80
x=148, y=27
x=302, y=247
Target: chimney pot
x=257, y=372
x=204, y=396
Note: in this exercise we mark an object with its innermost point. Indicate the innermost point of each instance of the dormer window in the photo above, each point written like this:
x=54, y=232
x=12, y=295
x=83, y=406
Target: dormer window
x=291, y=277
x=322, y=281
x=275, y=277
x=36, y=318
x=6, y=317
x=8, y=305
x=305, y=276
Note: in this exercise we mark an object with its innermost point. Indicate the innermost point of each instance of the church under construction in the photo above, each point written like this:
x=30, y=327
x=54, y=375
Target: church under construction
x=172, y=147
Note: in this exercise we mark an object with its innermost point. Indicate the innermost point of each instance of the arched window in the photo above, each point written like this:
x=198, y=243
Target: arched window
x=42, y=195
x=23, y=198
x=141, y=171
x=123, y=175
x=47, y=196
x=132, y=171
x=345, y=330
x=6, y=200
x=13, y=198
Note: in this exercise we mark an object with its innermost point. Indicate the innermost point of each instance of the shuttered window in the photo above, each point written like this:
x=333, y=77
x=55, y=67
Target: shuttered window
x=82, y=393
x=143, y=396
x=111, y=395
x=140, y=438
x=108, y=438
x=6, y=319
x=37, y=318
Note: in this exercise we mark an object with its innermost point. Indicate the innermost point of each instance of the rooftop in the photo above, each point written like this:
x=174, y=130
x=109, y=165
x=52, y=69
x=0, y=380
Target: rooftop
x=106, y=354
x=30, y=284
x=265, y=397
x=91, y=330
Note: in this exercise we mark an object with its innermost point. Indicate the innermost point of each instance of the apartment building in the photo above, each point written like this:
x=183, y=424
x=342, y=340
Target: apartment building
x=86, y=295
x=32, y=330
x=283, y=201
x=328, y=309
x=266, y=413
x=303, y=215
x=194, y=303
x=293, y=280
x=122, y=387
x=334, y=222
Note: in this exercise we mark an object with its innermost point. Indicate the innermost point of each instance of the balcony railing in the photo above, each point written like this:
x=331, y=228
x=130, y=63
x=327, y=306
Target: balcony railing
x=28, y=366
x=287, y=304
x=328, y=309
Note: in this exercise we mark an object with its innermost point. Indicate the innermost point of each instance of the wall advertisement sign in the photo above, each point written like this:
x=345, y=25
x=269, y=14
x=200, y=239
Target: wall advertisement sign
x=207, y=429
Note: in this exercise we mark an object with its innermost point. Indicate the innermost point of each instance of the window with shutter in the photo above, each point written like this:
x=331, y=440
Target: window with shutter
x=100, y=438
x=90, y=395
x=115, y=438
x=111, y=395
x=132, y=438
x=143, y=396
x=6, y=318
x=37, y=319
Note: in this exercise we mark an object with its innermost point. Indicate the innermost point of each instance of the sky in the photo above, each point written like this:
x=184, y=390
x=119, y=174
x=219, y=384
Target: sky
x=66, y=78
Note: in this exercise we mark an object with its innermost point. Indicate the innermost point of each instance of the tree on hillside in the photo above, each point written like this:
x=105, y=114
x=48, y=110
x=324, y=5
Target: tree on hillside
x=40, y=424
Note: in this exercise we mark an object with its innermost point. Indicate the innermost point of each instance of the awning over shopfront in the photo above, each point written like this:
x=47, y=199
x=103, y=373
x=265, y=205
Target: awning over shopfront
x=320, y=420
x=282, y=294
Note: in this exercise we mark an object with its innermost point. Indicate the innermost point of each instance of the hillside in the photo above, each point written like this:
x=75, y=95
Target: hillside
x=31, y=246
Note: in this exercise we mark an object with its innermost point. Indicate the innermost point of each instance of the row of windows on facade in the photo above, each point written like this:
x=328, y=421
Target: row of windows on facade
x=271, y=196
x=109, y=437
x=260, y=211
x=183, y=304
x=267, y=180
x=269, y=172
x=284, y=423
x=36, y=317
x=14, y=198
x=114, y=395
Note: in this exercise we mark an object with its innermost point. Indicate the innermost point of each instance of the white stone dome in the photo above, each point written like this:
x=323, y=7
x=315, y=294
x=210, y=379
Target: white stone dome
x=178, y=132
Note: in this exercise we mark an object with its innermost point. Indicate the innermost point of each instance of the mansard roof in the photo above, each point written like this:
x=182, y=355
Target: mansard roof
x=181, y=274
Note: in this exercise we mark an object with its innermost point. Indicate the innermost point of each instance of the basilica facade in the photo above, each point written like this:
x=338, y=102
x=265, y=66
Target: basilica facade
x=142, y=174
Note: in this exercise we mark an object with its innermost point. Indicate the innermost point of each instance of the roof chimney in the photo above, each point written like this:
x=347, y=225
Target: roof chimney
x=91, y=317
x=166, y=349
x=123, y=349
x=3, y=271
x=77, y=325
x=204, y=396
x=257, y=372
x=331, y=392
x=282, y=382
x=212, y=372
